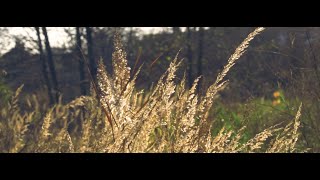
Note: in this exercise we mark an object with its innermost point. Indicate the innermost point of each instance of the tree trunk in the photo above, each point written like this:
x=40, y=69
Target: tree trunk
x=81, y=62
x=44, y=67
x=176, y=30
x=93, y=64
x=51, y=64
x=130, y=44
x=200, y=55
x=189, y=55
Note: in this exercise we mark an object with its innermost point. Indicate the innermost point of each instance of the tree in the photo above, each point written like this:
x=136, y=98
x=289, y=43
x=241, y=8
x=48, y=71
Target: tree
x=176, y=30
x=130, y=44
x=51, y=64
x=93, y=64
x=189, y=57
x=81, y=61
x=200, y=54
x=44, y=67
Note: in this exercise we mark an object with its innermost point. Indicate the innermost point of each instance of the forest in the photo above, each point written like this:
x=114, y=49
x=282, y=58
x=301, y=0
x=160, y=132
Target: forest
x=176, y=90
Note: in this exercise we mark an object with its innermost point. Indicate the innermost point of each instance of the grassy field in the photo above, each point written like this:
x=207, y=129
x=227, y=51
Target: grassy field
x=168, y=117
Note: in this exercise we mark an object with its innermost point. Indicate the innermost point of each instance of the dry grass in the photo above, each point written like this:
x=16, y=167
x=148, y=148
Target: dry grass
x=169, y=118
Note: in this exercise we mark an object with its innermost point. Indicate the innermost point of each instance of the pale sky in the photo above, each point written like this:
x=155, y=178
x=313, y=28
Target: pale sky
x=56, y=35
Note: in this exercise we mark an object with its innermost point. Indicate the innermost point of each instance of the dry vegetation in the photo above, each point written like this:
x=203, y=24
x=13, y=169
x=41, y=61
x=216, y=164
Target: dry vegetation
x=117, y=117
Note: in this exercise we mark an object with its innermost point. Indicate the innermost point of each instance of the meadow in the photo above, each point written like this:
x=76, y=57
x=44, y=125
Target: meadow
x=168, y=117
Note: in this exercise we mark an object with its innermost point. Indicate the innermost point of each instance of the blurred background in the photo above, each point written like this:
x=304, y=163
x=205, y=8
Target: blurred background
x=278, y=58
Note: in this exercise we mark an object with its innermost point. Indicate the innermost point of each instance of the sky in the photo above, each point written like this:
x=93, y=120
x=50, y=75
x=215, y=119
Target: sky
x=57, y=36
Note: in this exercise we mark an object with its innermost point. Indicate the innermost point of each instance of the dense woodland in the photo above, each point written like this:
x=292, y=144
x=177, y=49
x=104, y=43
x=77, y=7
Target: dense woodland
x=266, y=85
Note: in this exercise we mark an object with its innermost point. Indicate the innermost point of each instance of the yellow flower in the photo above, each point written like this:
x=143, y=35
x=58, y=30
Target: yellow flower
x=276, y=102
x=276, y=94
